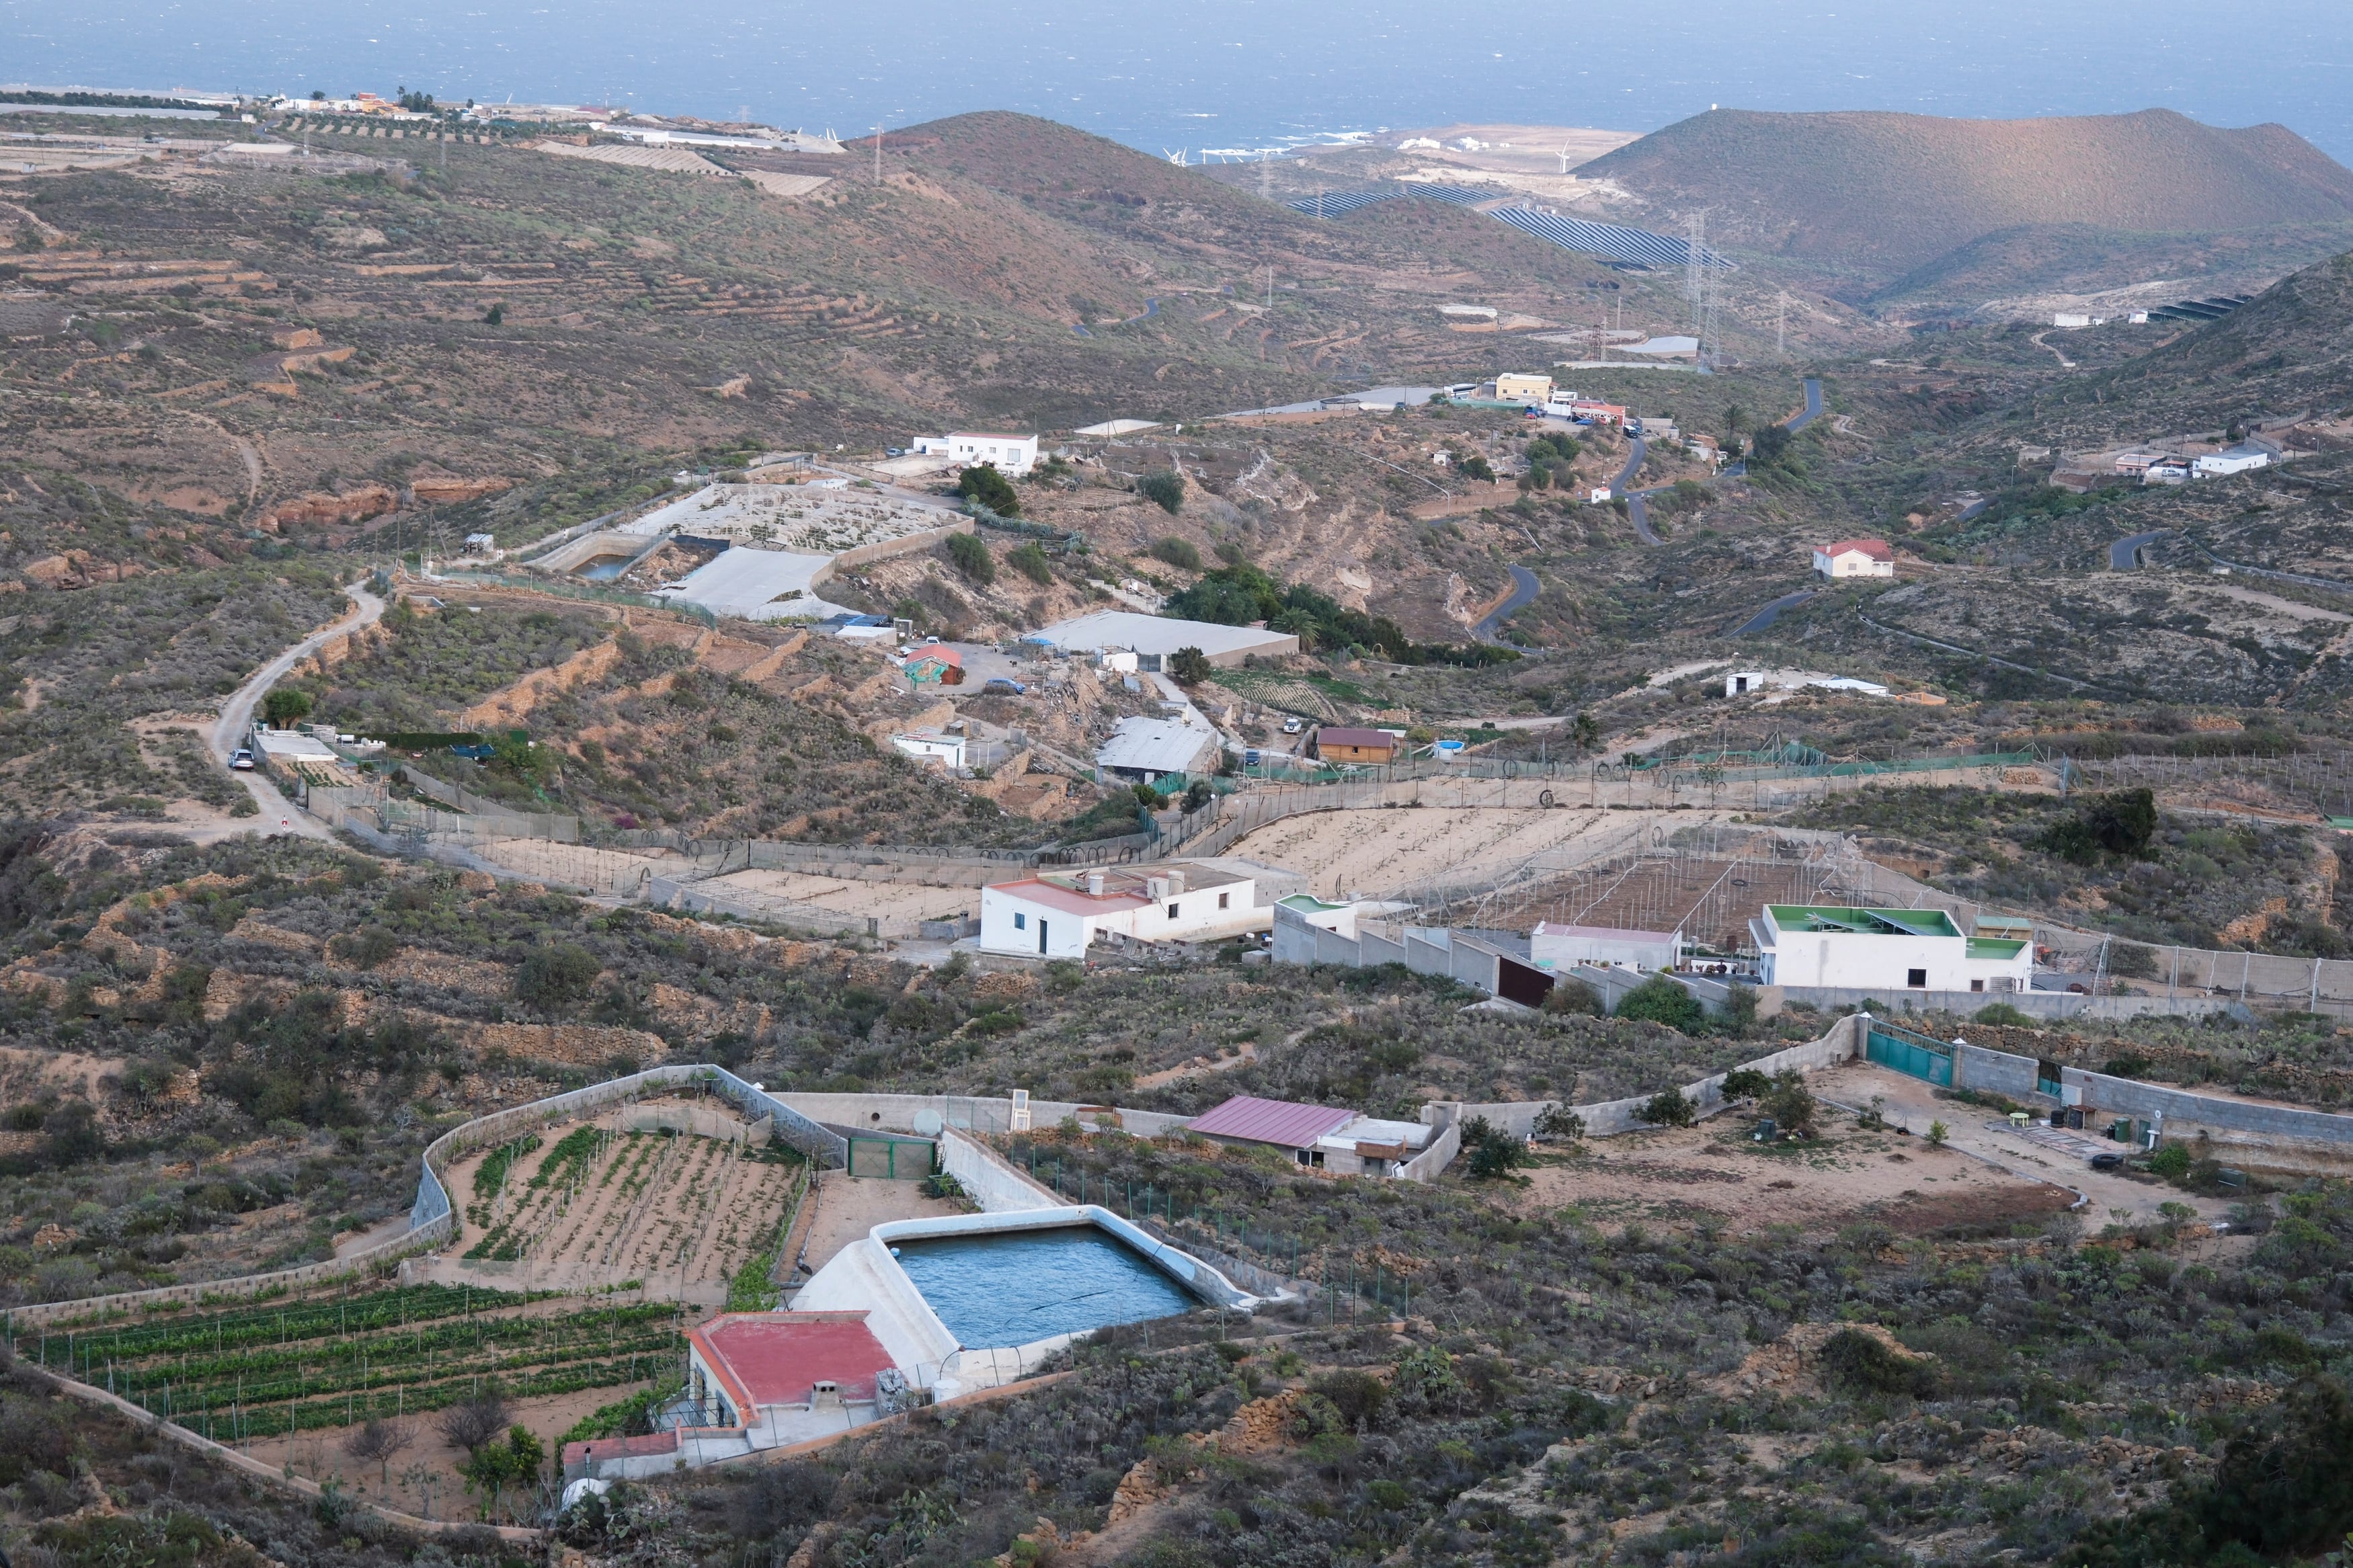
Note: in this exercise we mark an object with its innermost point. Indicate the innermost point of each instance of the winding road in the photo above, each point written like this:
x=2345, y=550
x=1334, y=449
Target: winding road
x=1524, y=587
x=1813, y=407
x=278, y=814
x=1635, y=509
x=2124, y=555
x=1772, y=612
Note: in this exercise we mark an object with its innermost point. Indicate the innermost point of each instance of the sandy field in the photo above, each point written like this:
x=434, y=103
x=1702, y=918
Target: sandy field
x=1381, y=852
x=1714, y=1174
x=895, y=904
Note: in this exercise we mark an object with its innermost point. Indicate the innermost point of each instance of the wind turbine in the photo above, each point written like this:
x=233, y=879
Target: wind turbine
x=1562, y=156
x=1177, y=157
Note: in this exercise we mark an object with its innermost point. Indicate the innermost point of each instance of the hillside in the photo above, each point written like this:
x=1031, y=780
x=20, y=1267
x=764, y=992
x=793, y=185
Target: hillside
x=1894, y=192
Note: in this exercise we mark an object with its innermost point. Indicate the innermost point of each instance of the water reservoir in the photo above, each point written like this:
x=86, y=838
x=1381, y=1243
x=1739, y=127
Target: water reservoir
x=1015, y=1287
x=605, y=568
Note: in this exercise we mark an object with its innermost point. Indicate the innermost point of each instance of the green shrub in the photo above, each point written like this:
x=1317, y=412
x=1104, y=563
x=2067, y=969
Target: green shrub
x=365, y=947
x=1189, y=666
x=1660, y=1000
x=557, y=976
x=1030, y=560
x=1856, y=1362
x=2170, y=1161
x=983, y=483
x=1165, y=490
x=1668, y=1108
x=1176, y=551
x=1570, y=994
x=972, y=558
x=2002, y=1013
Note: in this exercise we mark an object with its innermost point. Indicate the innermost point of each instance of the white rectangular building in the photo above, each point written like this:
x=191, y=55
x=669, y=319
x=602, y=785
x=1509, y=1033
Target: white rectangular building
x=931, y=746
x=1146, y=751
x=2231, y=460
x=1855, y=558
x=1007, y=453
x=1884, y=950
x=1059, y=915
x=1560, y=948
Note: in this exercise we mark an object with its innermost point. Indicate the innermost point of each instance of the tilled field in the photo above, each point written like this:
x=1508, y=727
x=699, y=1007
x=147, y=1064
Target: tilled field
x=602, y=1206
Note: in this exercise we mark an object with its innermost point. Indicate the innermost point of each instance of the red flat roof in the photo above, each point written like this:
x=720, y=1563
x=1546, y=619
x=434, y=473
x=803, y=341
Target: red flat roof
x=772, y=1358
x=1070, y=900
x=1283, y=1122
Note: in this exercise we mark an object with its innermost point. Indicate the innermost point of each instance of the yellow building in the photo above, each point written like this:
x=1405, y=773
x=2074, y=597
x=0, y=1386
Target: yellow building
x=1516, y=386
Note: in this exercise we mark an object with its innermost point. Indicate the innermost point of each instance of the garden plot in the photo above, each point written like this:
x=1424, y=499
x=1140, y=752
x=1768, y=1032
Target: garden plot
x=614, y=1200
x=1380, y=853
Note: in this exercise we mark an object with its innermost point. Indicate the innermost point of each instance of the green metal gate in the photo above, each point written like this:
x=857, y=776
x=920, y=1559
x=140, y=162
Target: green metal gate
x=1918, y=1055
x=890, y=1159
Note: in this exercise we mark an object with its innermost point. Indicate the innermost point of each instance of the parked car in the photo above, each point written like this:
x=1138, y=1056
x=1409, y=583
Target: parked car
x=1250, y=758
x=1002, y=685
x=1292, y=726
x=241, y=759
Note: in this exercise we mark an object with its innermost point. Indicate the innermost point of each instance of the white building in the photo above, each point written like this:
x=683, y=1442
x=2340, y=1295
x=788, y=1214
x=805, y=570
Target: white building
x=1884, y=950
x=932, y=746
x=1855, y=558
x=1560, y=948
x=2231, y=460
x=1007, y=454
x=1058, y=914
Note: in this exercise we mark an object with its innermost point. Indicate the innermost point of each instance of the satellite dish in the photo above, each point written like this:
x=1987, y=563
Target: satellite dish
x=928, y=1123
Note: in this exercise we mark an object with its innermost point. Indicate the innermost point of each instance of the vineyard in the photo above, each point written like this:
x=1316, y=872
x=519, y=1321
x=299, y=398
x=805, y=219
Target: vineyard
x=604, y=1204
x=262, y=1372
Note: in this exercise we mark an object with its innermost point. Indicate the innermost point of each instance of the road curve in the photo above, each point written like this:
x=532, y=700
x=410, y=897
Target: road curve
x=1634, y=466
x=1639, y=510
x=1525, y=588
x=2124, y=555
x=1765, y=617
x=278, y=814
x=1813, y=407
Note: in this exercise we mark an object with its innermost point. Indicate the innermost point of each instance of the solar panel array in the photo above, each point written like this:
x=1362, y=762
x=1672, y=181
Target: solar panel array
x=1338, y=204
x=2199, y=310
x=1638, y=245
x=1461, y=196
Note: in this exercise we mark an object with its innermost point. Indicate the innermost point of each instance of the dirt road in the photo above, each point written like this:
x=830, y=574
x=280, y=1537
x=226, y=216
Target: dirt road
x=279, y=815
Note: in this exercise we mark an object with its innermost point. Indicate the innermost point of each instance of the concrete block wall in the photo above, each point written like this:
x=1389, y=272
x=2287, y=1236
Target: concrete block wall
x=2274, y=1136
x=896, y=1112
x=1997, y=1072
x=1893, y=1002
x=996, y=1184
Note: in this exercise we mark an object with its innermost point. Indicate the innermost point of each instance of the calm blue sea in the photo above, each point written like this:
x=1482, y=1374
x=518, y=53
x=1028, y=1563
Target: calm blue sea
x=1234, y=74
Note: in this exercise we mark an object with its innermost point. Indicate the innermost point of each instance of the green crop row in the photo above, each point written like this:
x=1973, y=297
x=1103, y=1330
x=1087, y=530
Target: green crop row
x=229, y=1414
x=570, y=1158
x=404, y=1308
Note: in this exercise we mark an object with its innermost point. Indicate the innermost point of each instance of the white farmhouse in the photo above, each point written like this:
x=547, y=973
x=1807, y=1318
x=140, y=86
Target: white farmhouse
x=1884, y=950
x=1060, y=915
x=1855, y=558
x=1007, y=453
x=2231, y=460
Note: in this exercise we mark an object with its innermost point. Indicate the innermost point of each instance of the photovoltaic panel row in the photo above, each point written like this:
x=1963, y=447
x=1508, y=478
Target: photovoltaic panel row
x=1461, y=196
x=1338, y=204
x=1636, y=245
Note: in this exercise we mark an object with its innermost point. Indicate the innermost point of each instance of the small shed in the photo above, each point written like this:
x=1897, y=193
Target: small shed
x=1560, y=947
x=1334, y=743
x=933, y=664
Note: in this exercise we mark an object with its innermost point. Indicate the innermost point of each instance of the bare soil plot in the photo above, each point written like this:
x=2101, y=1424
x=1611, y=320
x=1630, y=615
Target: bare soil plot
x=597, y=1203
x=1714, y=1173
x=1375, y=851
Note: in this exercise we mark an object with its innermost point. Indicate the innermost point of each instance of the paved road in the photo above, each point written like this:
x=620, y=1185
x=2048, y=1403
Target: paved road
x=1633, y=465
x=1639, y=510
x=1772, y=612
x=1524, y=587
x=1813, y=407
x=278, y=814
x=2124, y=555
x=2337, y=585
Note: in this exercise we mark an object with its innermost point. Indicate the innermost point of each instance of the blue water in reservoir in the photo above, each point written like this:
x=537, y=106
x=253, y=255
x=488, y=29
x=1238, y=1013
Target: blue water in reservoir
x=605, y=571
x=1018, y=1286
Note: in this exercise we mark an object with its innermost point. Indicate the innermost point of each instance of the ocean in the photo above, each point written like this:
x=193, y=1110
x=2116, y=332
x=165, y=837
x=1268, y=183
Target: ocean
x=1238, y=75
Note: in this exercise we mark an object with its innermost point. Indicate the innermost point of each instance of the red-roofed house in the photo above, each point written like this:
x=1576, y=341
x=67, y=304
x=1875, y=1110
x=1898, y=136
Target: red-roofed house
x=754, y=1381
x=1855, y=558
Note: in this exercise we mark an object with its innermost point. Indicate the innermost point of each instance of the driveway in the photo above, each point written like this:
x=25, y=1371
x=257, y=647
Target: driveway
x=279, y=815
x=2036, y=1155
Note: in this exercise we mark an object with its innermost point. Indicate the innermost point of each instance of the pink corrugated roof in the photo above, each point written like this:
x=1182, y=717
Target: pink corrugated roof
x=1283, y=1122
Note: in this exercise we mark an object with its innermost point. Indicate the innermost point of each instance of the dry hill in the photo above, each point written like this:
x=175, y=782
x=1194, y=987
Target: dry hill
x=1891, y=193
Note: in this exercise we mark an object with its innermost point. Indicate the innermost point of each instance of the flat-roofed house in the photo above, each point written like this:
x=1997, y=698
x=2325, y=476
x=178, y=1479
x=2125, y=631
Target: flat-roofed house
x=1561, y=947
x=1061, y=914
x=1005, y=453
x=1523, y=387
x=1884, y=950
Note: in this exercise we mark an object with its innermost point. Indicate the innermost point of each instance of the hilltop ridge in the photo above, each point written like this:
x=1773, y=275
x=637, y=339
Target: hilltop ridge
x=1890, y=193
